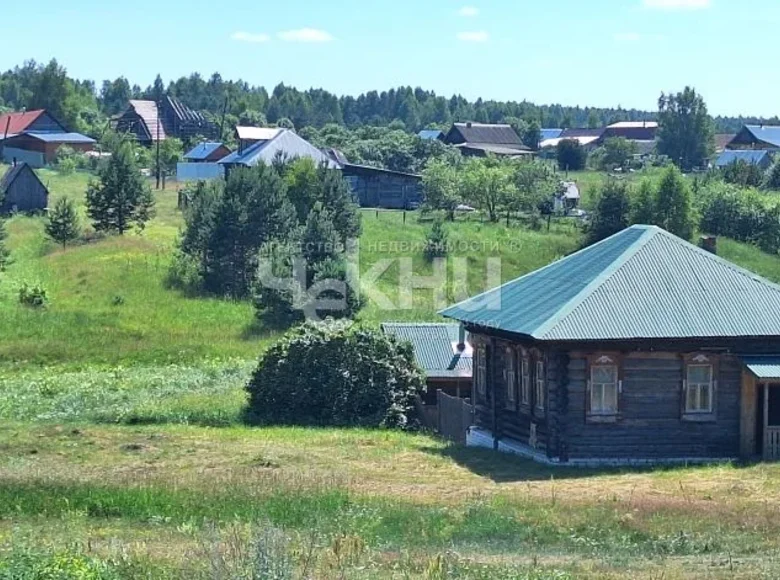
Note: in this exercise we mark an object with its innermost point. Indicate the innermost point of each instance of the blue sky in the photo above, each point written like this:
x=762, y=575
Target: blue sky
x=586, y=52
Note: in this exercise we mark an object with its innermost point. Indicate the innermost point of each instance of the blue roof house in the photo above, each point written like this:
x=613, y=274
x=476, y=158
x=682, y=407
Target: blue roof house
x=208, y=152
x=640, y=349
x=756, y=137
x=759, y=157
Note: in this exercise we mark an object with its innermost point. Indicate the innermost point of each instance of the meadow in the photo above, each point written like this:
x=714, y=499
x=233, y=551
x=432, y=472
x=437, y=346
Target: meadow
x=123, y=455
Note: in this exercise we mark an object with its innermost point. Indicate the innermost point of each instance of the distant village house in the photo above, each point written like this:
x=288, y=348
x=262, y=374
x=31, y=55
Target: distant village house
x=34, y=137
x=21, y=190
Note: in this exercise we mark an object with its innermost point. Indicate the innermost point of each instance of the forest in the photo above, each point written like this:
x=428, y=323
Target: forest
x=85, y=106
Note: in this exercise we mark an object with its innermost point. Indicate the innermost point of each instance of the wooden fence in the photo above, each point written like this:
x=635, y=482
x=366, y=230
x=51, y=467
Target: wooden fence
x=455, y=417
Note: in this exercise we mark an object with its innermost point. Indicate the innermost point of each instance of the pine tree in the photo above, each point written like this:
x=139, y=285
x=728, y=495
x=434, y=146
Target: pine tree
x=336, y=197
x=120, y=198
x=62, y=225
x=320, y=238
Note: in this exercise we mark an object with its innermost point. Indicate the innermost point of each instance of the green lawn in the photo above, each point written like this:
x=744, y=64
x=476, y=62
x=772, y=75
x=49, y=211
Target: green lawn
x=122, y=453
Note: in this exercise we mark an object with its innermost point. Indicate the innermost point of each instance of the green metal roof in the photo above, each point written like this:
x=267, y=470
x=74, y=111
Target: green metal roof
x=643, y=282
x=765, y=366
x=435, y=348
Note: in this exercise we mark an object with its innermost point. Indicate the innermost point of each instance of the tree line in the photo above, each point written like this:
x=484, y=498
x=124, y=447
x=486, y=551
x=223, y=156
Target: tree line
x=85, y=106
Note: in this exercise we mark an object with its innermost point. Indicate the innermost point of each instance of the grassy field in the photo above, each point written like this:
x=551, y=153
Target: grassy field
x=122, y=453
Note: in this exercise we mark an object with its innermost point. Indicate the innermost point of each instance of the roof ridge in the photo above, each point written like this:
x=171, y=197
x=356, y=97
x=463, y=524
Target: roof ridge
x=649, y=233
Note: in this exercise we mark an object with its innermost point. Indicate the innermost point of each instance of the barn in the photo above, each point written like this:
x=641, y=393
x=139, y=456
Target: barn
x=642, y=348
x=149, y=122
x=35, y=136
x=756, y=137
x=22, y=191
x=481, y=139
x=382, y=188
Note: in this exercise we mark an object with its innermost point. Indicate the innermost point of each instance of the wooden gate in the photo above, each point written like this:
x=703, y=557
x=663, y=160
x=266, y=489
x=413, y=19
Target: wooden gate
x=455, y=417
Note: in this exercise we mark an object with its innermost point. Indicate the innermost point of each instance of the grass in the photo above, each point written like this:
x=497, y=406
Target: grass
x=122, y=453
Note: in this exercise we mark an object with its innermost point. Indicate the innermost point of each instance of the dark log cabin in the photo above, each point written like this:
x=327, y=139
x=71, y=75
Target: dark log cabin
x=639, y=349
x=147, y=122
x=382, y=188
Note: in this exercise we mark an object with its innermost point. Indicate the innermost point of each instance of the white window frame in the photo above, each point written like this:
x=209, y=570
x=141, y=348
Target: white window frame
x=525, y=381
x=604, y=362
x=510, y=377
x=539, y=385
x=699, y=387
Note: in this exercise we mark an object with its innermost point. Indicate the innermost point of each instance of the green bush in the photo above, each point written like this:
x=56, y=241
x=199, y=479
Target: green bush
x=335, y=374
x=571, y=155
x=33, y=296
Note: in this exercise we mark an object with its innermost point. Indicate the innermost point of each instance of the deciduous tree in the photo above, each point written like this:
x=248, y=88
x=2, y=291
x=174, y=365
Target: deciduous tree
x=685, y=132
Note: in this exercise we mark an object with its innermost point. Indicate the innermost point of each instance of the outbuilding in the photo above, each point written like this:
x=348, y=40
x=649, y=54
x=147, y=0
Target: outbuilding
x=21, y=190
x=642, y=348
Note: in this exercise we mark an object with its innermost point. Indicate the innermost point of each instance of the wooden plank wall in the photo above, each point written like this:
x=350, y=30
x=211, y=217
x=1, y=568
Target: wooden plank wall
x=748, y=415
x=651, y=425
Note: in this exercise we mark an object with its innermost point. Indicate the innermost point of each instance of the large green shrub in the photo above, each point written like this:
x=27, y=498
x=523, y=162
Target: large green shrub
x=571, y=155
x=338, y=374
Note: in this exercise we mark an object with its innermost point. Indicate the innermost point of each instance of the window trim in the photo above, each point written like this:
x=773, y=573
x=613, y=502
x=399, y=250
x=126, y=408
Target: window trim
x=700, y=360
x=524, y=367
x=540, y=383
x=510, y=378
x=604, y=359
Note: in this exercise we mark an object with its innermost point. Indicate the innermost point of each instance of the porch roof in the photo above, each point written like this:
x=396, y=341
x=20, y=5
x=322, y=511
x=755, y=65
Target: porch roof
x=766, y=367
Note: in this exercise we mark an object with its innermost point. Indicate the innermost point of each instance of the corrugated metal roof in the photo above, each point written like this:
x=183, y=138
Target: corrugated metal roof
x=752, y=156
x=435, y=348
x=61, y=137
x=183, y=112
x=640, y=283
x=634, y=125
x=487, y=133
x=13, y=123
x=763, y=366
x=430, y=134
x=555, y=142
x=766, y=133
x=496, y=149
x=286, y=144
x=257, y=133
x=202, y=151
x=550, y=133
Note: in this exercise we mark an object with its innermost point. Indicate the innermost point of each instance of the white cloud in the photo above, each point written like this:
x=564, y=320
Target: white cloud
x=249, y=37
x=306, y=35
x=676, y=4
x=469, y=11
x=474, y=36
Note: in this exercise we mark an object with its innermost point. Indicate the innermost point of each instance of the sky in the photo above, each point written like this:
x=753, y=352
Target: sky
x=573, y=52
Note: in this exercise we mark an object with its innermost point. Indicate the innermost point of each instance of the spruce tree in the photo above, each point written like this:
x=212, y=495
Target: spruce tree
x=336, y=197
x=62, y=224
x=120, y=198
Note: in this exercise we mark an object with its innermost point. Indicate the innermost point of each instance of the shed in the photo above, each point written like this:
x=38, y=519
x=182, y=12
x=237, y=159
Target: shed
x=382, y=188
x=759, y=157
x=442, y=351
x=638, y=349
x=22, y=190
x=208, y=152
x=568, y=197
x=756, y=137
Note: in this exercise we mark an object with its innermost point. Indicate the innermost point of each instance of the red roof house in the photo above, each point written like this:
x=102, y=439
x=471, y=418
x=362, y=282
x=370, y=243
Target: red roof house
x=38, y=121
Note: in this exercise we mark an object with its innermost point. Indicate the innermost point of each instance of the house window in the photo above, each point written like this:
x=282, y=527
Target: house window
x=480, y=377
x=604, y=387
x=510, y=374
x=539, y=394
x=525, y=381
x=699, y=388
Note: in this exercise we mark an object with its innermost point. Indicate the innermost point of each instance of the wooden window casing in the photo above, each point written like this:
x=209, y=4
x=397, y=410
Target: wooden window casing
x=540, y=385
x=603, y=396
x=480, y=374
x=700, y=387
x=525, y=380
x=510, y=378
